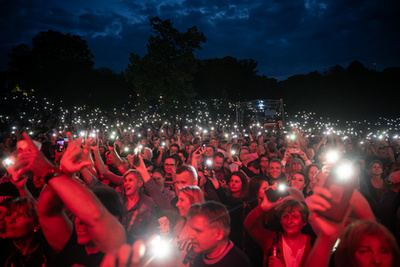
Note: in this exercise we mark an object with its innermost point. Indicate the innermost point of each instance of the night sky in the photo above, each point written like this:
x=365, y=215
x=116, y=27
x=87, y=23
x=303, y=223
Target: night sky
x=286, y=37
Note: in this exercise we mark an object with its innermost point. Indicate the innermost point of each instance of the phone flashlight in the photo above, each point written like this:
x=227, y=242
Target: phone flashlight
x=332, y=156
x=159, y=247
x=281, y=187
x=344, y=171
x=7, y=162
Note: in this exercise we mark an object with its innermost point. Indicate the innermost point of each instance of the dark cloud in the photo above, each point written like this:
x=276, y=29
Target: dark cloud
x=286, y=37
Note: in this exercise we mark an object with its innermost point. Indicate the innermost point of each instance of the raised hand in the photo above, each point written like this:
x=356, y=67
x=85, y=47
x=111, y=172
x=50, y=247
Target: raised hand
x=73, y=159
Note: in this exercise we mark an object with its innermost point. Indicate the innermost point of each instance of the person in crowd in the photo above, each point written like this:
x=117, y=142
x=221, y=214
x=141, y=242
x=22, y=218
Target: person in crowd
x=257, y=187
x=310, y=172
x=237, y=197
x=276, y=172
x=362, y=243
x=170, y=169
x=188, y=195
x=96, y=228
x=222, y=173
x=209, y=224
x=390, y=203
x=374, y=186
x=299, y=180
x=292, y=243
x=159, y=178
x=24, y=244
x=139, y=219
x=264, y=162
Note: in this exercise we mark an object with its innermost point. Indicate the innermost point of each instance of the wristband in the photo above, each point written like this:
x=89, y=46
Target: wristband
x=53, y=172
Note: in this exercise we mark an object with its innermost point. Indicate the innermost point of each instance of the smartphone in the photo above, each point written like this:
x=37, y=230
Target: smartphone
x=341, y=183
x=274, y=195
x=60, y=146
x=111, y=141
x=233, y=154
x=208, y=166
x=293, y=150
x=8, y=162
x=136, y=160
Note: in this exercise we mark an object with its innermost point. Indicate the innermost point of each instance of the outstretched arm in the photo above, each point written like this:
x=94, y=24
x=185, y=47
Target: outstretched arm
x=106, y=232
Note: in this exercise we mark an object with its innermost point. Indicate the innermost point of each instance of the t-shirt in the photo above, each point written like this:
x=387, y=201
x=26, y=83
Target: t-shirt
x=231, y=257
x=41, y=255
x=74, y=254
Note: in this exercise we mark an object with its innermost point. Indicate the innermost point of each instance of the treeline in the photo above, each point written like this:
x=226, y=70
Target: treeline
x=60, y=66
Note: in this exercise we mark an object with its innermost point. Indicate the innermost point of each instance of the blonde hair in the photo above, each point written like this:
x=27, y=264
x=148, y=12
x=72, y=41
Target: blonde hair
x=194, y=194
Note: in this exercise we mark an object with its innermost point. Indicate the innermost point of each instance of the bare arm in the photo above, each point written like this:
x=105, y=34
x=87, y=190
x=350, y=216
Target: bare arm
x=56, y=226
x=116, y=179
x=107, y=233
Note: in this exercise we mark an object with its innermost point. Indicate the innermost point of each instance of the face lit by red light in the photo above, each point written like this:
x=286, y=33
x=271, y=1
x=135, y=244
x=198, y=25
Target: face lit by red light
x=297, y=181
x=275, y=170
x=235, y=184
x=372, y=252
x=291, y=221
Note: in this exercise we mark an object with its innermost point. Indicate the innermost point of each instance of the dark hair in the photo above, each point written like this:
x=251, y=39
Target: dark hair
x=219, y=155
x=111, y=200
x=160, y=171
x=28, y=206
x=184, y=153
x=245, y=183
x=254, y=187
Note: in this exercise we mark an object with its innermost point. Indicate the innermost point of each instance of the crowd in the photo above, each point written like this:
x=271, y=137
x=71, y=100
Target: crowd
x=165, y=196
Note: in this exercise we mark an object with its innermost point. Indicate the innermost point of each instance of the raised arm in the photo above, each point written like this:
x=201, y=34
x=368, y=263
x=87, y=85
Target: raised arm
x=106, y=232
x=254, y=222
x=102, y=168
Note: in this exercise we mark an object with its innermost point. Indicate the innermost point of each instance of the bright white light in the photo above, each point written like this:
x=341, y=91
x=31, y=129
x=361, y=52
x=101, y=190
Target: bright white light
x=332, y=156
x=344, y=171
x=281, y=187
x=159, y=247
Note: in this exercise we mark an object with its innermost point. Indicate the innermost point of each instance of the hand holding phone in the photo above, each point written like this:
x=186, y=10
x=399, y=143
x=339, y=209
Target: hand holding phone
x=274, y=195
x=341, y=184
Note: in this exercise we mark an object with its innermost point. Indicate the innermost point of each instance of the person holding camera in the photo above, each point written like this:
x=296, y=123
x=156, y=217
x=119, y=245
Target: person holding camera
x=292, y=244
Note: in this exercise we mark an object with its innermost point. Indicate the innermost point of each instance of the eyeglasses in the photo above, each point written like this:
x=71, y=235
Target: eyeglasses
x=169, y=165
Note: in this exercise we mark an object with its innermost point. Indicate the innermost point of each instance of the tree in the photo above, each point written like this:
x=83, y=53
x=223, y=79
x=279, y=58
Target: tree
x=56, y=63
x=167, y=70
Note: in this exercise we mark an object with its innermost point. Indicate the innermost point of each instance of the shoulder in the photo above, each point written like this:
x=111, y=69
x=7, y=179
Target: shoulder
x=236, y=257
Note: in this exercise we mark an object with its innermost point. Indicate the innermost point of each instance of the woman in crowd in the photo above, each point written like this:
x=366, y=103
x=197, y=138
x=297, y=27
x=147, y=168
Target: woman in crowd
x=299, y=180
x=24, y=244
x=237, y=197
x=257, y=186
x=263, y=165
x=292, y=243
x=187, y=196
x=311, y=171
x=373, y=186
x=362, y=243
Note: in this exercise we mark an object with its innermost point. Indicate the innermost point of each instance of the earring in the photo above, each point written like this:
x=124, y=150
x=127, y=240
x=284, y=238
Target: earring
x=36, y=229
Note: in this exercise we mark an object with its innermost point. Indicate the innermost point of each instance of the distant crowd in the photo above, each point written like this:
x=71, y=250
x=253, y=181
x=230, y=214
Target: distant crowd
x=176, y=197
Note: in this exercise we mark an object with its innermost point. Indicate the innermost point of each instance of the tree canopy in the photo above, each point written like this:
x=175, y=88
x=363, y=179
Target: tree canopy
x=167, y=70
